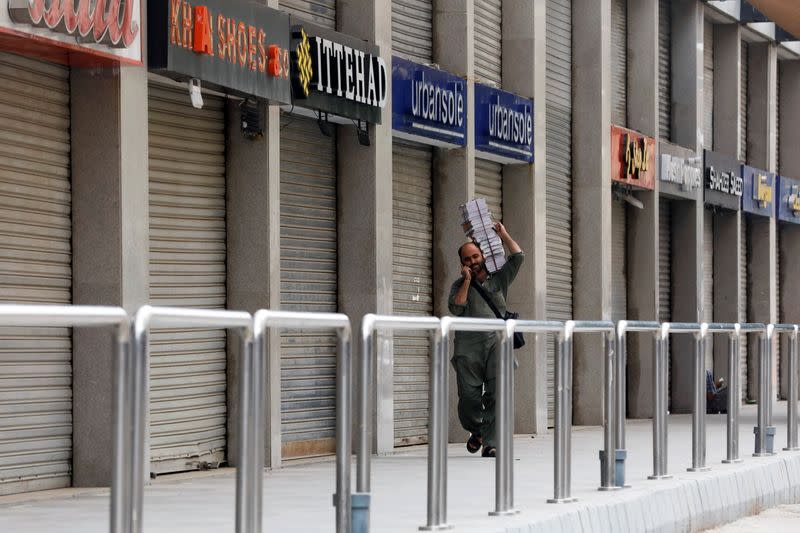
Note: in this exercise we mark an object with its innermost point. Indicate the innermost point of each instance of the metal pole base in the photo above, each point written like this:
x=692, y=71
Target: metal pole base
x=699, y=469
x=562, y=500
x=791, y=449
x=509, y=512
x=665, y=476
x=763, y=454
x=613, y=487
x=440, y=527
x=731, y=461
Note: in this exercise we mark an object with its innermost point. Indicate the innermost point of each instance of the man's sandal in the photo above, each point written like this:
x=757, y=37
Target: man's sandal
x=474, y=443
x=489, y=451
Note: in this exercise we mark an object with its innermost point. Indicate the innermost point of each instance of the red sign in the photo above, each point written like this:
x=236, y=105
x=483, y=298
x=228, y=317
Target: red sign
x=633, y=158
x=105, y=28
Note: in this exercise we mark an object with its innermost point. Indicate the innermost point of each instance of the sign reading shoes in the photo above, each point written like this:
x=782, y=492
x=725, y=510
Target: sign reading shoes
x=230, y=45
x=428, y=105
x=337, y=74
x=503, y=125
x=723, y=180
x=105, y=28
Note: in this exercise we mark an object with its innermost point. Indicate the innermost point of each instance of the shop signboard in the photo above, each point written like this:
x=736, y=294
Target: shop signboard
x=789, y=200
x=234, y=46
x=81, y=32
x=723, y=184
x=633, y=158
x=337, y=73
x=503, y=126
x=680, y=174
x=428, y=104
x=758, y=196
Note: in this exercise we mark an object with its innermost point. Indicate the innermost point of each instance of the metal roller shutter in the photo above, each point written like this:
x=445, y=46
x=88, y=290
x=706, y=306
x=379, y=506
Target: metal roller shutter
x=743, y=305
x=743, y=103
x=488, y=41
x=412, y=29
x=559, y=174
x=321, y=12
x=619, y=292
x=708, y=85
x=779, y=342
x=665, y=269
x=309, y=275
x=412, y=281
x=187, y=269
x=35, y=267
x=619, y=62
x=708, y=279
x=664, y=70
x=778, y=122
x=489, y=185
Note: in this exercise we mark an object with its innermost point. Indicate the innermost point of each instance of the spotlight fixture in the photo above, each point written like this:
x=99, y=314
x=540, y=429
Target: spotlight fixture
x=324, y=125
x=363, y=133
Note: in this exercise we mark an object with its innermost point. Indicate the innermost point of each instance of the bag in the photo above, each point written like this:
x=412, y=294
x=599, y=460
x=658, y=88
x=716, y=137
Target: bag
x=519, y=340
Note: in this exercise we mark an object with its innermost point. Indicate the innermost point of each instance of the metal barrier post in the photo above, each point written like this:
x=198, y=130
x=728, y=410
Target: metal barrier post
x=265, y=320
x=67, y=316
x=699, y=402
x=149, y=317
x=660, y=403
x=764, y=430
x=734, y=396
x=620, y=400
x=791, y=421
x=563, y=431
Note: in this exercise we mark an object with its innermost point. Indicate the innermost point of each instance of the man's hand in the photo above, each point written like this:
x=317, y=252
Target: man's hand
x=512, y=246
x=466, y=273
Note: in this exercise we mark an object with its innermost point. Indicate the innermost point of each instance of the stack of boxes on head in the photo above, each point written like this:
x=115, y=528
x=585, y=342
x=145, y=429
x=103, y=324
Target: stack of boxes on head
x=476, y=219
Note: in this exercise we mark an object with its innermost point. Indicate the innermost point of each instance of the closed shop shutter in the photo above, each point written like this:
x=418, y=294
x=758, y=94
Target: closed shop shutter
x=489, y=185
x=559, y=174
x=619, y=293
x=743, y=305
x=780, y=341
x=35, y=268
x=320, y=12
x=708, y=279
x=309, y=274
x=665, y=269
x=664, y=70
x=412, y=224
x=187, y=269
x=619, y=62
x=743, y=103
x=708, y=85
x=412, y=29
x=488, y=41
x=778, y=123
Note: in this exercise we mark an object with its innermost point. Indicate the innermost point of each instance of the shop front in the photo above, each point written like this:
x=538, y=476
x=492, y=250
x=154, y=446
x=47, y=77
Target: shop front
x=39, y=46
x=787, y=196
x=428, y=111
x=200, y=56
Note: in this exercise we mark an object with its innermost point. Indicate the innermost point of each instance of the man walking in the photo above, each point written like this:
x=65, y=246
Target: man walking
x=475, y=352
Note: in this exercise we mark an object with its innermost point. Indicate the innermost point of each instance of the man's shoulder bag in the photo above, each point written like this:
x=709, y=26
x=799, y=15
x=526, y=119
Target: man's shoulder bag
x=519, y=340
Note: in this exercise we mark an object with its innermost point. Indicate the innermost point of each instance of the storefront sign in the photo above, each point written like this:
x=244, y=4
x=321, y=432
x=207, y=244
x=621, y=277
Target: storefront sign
x=723, y=180
x=789, y=199
x=107, y=29
x=759, y=191
x=428, y=105
x=231, y=45
x=503, y=126
x=633, y=158
x=337, y=73
x=680, y=176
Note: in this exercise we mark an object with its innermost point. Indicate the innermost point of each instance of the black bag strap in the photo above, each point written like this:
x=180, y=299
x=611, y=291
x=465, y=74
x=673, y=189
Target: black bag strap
x=485, y=296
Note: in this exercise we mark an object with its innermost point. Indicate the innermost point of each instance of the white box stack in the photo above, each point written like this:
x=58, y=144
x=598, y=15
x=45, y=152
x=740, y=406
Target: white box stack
x=477, y=221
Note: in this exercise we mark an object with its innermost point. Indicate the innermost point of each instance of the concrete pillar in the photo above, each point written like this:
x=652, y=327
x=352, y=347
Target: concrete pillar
x=687, y=217
x=454, y=170
x=365, y=205
x=110, y=243
x=642, y=245
x=762, y=238
x=591, y=194
x=727, y=234
x=253, y=258
x=789, y=165
x=524, y=186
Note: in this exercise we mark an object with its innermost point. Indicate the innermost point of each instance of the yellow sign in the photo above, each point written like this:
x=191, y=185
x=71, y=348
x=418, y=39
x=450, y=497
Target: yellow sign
x=637, y=160
x=762, y=192
x=794, y=200
x=304, y=62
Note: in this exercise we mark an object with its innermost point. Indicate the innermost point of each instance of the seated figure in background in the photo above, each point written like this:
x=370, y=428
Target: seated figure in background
x=716, y=395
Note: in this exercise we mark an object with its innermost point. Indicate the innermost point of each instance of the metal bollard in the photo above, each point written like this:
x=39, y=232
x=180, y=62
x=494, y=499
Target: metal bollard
x=660, y=403
x=734, y=396
x=764, y=432
x=791, y=408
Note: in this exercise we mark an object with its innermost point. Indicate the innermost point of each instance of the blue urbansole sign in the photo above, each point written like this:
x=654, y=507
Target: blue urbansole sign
x=503, y=126
x=428, y=105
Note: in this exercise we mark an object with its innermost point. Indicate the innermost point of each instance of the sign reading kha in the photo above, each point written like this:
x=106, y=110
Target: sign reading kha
x=633, y=158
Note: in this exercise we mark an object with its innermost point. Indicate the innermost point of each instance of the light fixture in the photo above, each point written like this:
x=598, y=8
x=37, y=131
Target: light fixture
x=252, y=123
x=324, y=125
x=363, y=133
x=194, y=93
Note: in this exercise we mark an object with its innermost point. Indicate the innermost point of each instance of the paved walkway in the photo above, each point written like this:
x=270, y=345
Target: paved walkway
x=298, y=497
